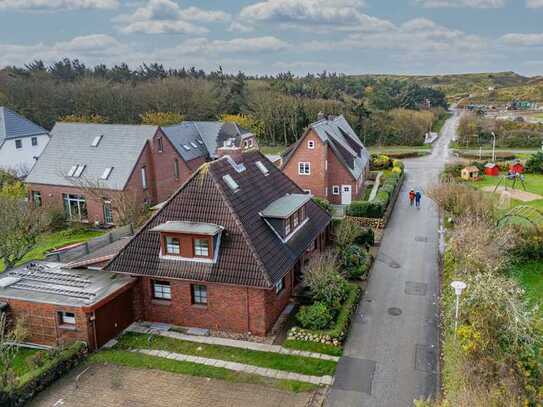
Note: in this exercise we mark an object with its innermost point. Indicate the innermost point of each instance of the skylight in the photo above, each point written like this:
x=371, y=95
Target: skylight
x=107, y=173
x=79, y=171
x=238, y=167
x=96, y=141
x=193, y=144
x=233, y=185
x=262, y=168
x=200, y=141
x=186, y=147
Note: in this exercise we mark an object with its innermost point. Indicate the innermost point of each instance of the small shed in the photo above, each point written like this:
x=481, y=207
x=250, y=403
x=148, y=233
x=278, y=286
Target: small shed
x=491, y=169
x=516, y=168
x=470, y=173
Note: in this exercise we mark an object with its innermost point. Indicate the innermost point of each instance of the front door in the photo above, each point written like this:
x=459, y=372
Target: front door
x=346, y=194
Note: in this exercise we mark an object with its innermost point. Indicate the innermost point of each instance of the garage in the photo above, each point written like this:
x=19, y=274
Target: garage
x=112, y=318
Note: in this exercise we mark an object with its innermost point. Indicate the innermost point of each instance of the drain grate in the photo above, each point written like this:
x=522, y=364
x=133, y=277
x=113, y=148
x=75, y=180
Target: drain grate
x=414, y=288
x=394, y=311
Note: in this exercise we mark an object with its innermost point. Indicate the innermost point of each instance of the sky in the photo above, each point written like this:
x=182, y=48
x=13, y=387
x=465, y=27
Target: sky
x=272, y=36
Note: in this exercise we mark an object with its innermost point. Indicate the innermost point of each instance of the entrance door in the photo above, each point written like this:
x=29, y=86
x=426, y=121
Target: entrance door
x=346, y=194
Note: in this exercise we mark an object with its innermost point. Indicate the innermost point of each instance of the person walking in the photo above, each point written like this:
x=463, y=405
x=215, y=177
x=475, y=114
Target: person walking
x=418, y=197
x=411, y=197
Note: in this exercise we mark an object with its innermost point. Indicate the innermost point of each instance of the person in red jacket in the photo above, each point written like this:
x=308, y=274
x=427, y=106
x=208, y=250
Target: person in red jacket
x=411, y=197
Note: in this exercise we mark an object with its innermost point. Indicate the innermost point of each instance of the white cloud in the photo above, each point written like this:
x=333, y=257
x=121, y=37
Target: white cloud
x=197, y=46
x=239, y=26
x=58, y=4
x=166, y=16
x=534, y=3
x=525, y=40
x=463, y=3
x=341, y=15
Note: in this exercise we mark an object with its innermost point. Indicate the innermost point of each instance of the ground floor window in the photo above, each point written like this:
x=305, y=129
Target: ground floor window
x=108, y=212
x=75, y=207
x=199, y=294
x=66, y=318
x=162, y=290
x=335, y=190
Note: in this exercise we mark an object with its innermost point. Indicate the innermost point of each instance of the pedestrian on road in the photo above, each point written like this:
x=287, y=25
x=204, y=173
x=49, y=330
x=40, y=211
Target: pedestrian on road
x=411, y=197
x=418, y=197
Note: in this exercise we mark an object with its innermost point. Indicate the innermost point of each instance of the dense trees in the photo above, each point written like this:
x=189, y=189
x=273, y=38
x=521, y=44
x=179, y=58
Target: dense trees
x=279, y=107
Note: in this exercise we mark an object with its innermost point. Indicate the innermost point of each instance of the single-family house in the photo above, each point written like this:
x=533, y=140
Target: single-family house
x=329, y=161
x=21, y=142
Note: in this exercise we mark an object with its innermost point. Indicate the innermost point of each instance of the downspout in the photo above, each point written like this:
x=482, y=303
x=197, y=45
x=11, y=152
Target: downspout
x=248, y=311
x=93, y=322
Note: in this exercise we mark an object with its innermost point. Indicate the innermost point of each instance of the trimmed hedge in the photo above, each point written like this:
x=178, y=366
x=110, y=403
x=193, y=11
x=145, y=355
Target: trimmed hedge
x=337, y=333
x=377, y=207
x=38, y=379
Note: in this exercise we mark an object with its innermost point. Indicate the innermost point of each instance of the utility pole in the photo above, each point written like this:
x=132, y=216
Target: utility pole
x=494, y=147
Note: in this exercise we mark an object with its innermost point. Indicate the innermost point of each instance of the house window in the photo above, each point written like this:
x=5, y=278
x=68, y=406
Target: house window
x=176, y=168
x=304, y=168
x=280, y=285
x=36, y=198
x=335, y=190
x=173, y=245
x=18, y=144
x=34, y=141
x=295, y=220
x=162, y=290
x=301, y=214
x=201, y=247
x=144, y=177
x=199, y=294
x=75, y=207
x=66, y=318
x=160, y=145
x=311, y=144
x=287, y=227
x=248, y=143
x=108, y=212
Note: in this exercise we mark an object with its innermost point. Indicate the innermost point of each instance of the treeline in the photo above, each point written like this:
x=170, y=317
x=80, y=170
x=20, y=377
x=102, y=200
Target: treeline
x=277, y=108
x=475, y=130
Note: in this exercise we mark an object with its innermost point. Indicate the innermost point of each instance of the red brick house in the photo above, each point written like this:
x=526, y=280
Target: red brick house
x=226, y=249
x=94, y=170
x=329, y=161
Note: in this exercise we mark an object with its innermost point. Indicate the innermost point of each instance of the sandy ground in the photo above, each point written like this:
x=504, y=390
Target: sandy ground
x=516, y=194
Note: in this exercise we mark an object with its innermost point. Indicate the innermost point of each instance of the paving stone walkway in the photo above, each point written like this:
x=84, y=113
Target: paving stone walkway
x=239, y=367
x=213, y=340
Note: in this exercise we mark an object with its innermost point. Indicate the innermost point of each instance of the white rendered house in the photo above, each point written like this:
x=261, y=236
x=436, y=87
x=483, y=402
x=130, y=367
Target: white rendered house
x=21, y=142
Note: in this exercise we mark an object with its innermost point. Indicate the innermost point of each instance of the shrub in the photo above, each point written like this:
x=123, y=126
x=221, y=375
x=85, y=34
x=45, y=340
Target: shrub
x=397, y=170
x=316, y=316
x=380, y=162
x=56, y=220
x=383, y=197
x=460, y=199
x=529, y=245
x=354, y=262
x=323, y=203
x=324, y=281
x=36, y=360
x=365, y=209
x=366, y=238
x=535, y=163
x=387, y=188
x=346, y=233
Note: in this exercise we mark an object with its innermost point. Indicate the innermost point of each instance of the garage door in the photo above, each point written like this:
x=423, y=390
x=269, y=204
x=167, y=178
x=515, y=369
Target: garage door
x=113, y=317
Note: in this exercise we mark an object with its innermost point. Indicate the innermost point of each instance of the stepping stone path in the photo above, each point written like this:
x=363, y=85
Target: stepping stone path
x=239, y=367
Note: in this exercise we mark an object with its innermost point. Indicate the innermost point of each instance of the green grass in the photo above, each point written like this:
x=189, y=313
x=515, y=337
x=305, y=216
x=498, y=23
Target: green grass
x=289, y=363
x=530, y=277
x=398, y=149
x=53, y=240
x=276, y=150
x=19, y=363
x=135, y=360
x=308, y=346
x=438, y=125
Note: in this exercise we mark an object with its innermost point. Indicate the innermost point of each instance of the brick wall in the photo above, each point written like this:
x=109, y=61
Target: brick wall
x=338, y=175
x=229, y=308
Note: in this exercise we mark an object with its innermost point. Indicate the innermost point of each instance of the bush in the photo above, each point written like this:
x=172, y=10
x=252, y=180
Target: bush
x=316, y=316
x=346, y=233
x=354, y=262
x=380, y=162
x=383, y=197
x=324, y=281
x=366, y=238
x=534, y=164
x=323, y=203
x=365, y=209
x=36, y=360
x=56, y=220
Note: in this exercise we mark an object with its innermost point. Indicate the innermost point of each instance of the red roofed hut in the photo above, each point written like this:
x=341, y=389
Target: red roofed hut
x=516, y=168
x=491, y=169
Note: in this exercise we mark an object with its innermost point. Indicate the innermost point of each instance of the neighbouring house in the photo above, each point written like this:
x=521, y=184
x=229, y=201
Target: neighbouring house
x=59, y=306
x=21, y=142
x=226, y=250
x=329, y=161
x=470, y=173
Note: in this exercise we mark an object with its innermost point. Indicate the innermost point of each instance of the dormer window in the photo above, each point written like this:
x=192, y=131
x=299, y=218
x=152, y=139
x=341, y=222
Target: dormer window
x=286, y=215
x=173, y=245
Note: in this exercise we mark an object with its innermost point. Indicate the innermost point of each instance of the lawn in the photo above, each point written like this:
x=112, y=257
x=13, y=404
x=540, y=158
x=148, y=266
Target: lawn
x=126, y=358
x=274, y=150
x=398, y=149
x=530, y=277
x=53, y=240
x=19, y=364
x=289, y=363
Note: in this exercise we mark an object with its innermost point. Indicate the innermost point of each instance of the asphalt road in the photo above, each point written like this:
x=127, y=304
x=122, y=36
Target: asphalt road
x=391, y=354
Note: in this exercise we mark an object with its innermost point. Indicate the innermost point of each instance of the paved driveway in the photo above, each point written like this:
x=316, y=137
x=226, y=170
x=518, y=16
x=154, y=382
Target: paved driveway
x=112, y=386
x=391, y=354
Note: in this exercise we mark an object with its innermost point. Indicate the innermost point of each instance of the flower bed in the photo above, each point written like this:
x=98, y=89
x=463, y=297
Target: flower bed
x=40, y=377
x=335, y=335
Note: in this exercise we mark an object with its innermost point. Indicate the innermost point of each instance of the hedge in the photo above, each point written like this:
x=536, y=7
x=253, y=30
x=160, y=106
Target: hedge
x=336, y=334
x=38, y=379
x=377, y=207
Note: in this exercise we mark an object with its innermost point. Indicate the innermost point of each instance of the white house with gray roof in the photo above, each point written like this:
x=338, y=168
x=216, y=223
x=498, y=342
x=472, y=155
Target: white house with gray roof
x=21, y=142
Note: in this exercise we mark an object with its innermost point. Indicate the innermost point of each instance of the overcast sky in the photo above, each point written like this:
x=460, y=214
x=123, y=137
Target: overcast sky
x=270, y=36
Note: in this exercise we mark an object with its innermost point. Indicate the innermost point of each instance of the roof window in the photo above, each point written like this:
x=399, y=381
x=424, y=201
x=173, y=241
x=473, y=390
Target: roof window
x=72, y=170
x=97, y=140
x=233, y=185
x=200, y=141
x=260, y=165
x=106, y=173
x=79, y=171
x=193, y=144
x=186, y=147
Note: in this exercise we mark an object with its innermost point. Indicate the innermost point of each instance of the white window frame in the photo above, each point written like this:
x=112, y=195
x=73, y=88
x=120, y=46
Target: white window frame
x=162, y=290
x=199, y=250
x=336, y=190
x=67, y=318
x=199, y=294
x=171, y=247
x=304, y=168
x=108, y=211
x=311, y=144
x=144, y=177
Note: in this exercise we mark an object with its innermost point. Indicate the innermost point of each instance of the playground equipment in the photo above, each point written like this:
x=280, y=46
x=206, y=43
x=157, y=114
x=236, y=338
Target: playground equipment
x=513, y=178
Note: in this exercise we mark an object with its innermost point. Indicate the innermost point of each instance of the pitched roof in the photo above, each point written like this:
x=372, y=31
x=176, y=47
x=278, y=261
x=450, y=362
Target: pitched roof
x=285, y=206
x=339, y=135
x=13, y=125
x=71, y=144
x=251, y=254
x=202, y=138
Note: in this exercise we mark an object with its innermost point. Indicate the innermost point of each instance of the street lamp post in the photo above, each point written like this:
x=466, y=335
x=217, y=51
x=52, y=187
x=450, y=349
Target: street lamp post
x=494, y=147
x=458, y=286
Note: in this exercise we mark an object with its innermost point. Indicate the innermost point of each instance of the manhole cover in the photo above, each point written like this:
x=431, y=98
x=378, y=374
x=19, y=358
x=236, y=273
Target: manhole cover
x=414, y=288
x=394, y=311
x=394, y=265
x=423, y=239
